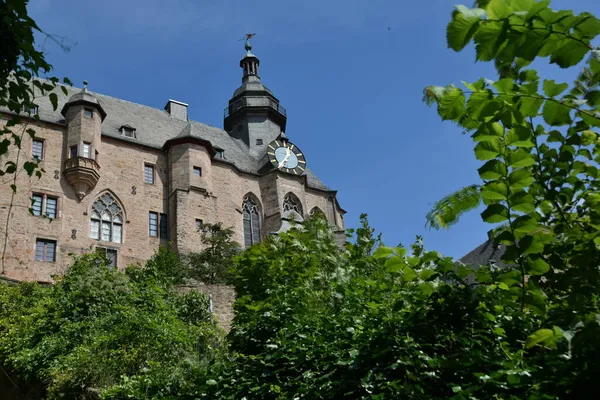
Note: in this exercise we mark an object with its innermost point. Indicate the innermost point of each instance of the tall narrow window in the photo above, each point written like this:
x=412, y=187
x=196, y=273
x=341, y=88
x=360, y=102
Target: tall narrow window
x=106, y=222
x=45, y=250
x=87, y=147
x=164, y=226
x=153, y=224
x=73, y=151
x=36, y=203
x=198, y=224
x=110, y=254
x=251, y=218
x=50, y=207
x=37, y=149
x=149, y=174
x=197, y=171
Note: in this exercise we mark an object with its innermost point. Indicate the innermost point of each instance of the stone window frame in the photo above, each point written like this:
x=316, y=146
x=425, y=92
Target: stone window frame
x=88, y=113
x=41, y=143
x=43, y=204
x=316, y=210
x=291, y=202
x=107, y=212
x=152, y=174
x=251, y=217
x=44, y=242
x=128, y=131
x=86, y=146
x=199, y=224
x=153, y=224
x=197, y=171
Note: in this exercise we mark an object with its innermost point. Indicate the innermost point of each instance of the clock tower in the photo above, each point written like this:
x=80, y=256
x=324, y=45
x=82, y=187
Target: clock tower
x=254, y=114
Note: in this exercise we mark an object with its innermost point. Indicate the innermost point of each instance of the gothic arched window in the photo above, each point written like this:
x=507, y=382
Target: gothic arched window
x=251, y=221
x=317, y=212
x=291, y=203
x=106, y=221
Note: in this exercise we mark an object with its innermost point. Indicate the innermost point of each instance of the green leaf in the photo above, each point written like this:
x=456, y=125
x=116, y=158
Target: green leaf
x=556, y=113
x=495, y=213
x=536, y=8
x=498, y=9
x=537, y=266
x=590, y=27
x=530, y=106
x=489, y=38
x=448, y=210
x=522, y=202
x=408, y=274
x=452, y=104
x=520, y=179
x=539, y=336
x=520, y=158
x=487, y=150
x=463, y=26
x=556, y=136
x=382, y=252
x=569, y=54
x=489, y=131
x=504, y=85
x=492, y=170
x=553, y=89
x=54, y=100
x=493, y=191
x=588, y=137
x=520, y=136
x=394, y=264
x=524, y=225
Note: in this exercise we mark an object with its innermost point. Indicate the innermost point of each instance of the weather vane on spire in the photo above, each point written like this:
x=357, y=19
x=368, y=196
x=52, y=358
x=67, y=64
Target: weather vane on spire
x=247, y=38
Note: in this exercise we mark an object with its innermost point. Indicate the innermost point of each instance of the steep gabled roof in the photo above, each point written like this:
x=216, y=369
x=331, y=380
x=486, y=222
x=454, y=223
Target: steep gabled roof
x=154, y=127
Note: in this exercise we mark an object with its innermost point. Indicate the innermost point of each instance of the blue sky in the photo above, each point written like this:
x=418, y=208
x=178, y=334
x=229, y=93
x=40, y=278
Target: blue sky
x=350, y=73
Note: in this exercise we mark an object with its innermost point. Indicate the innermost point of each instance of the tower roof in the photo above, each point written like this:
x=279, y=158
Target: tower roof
x=86, y=98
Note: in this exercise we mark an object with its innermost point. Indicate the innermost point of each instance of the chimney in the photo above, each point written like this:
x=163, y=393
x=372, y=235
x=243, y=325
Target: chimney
x=177, y=109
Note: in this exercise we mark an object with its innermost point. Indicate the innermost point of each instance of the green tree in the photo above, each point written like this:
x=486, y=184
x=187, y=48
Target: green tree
x=214, y=262
x=21, y=66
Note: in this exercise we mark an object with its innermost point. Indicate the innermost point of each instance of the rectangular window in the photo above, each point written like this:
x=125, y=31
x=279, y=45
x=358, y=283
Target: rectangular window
x=37, y=149
x=153, y=224
x=73, y=151
x=128, y=132
x=89, y=113
x=149, y=174
x=106, y=231
x=45, y=250
x=197, y=171
x=110, y=254
x=198, y=224
x=259, y=142
x=220, y=154
x=87, y=147
x=36, y=204
x=95, y=229
x=164, y=226
x=51, y=207
x=31, y=110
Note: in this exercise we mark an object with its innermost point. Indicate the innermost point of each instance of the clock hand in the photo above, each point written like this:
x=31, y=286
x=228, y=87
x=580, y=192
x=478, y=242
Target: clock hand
x=287, y=156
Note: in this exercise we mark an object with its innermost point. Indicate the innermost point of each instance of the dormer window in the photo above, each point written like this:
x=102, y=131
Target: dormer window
x=128, y=131
x=220, y=153
x=31, y=110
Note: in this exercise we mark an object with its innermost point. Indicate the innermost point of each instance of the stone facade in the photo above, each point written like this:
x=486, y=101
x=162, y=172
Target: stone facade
x=199, y=173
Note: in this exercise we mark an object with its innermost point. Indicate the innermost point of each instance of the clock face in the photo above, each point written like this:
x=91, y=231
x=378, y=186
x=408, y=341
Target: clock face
x=285, y=156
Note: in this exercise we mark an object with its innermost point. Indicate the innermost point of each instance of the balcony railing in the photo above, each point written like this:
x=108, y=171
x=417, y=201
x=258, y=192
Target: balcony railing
x=81, y=162
x=252, y=101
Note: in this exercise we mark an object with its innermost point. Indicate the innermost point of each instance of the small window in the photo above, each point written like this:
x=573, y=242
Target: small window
x=220, y=154
x=259, y=142
x=37, y=149
x=149, y=174
x=73, y=151
x=199, y=224
x=87, y=147
x=128, y=131
x=36, y=204
x=164, y=227
x=197, y=171
x=153, y=224
x=110, y=254
x=45, y=250
x=31, y=110
x=50, y=207
x=89, y=113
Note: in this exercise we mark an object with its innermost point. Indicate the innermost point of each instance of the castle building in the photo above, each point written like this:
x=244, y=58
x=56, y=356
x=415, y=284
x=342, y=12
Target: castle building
x=124, y=178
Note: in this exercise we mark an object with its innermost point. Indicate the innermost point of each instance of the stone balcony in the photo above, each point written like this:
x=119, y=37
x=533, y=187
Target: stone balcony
x=82, y=173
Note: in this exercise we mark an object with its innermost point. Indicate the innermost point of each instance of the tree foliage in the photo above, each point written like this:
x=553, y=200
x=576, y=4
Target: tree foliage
x=98, y=326
x=214, y=262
